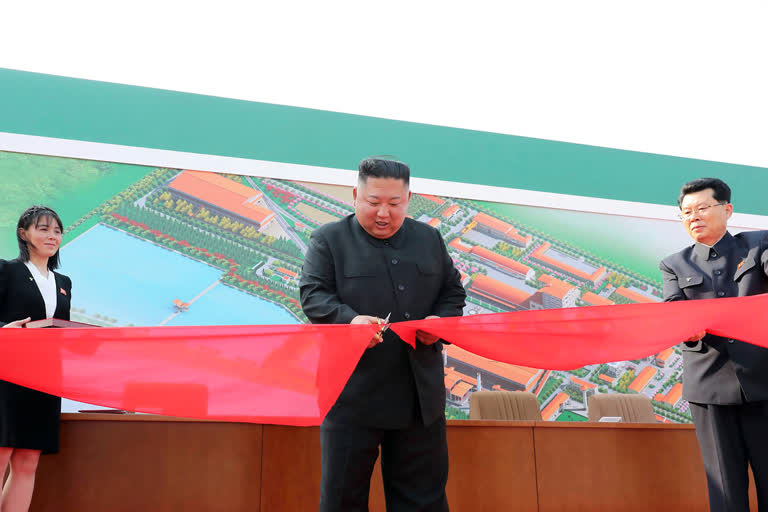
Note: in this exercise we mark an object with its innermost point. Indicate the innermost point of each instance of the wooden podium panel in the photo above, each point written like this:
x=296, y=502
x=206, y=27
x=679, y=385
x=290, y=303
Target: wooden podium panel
x=492, y=466
x=141, y=463
x=491, y=463
x=583, y=467
x=291, y=470
x=621, y=466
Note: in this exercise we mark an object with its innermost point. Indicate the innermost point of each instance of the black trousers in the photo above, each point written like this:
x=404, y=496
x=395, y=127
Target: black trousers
x=414, y=467
x=731, y=437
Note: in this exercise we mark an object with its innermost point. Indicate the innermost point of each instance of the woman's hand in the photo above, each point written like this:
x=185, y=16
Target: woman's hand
x=18, y=323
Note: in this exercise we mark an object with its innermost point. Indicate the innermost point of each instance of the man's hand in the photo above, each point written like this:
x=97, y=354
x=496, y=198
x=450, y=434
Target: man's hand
x=696, y=337
x=424, y=337
x=365, y=319
x=17, y=323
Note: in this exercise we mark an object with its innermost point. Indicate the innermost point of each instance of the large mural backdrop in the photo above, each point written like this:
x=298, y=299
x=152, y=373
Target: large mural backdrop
x=159, y=246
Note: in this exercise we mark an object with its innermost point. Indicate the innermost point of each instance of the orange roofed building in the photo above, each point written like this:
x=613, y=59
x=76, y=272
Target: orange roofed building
x=663, y=356
x=498, y=294
x=458, y=386
x=556, y=294
x=286, y=272
x=634, y=296
x=554, y=406
x=502, y=263
x=222, y=196
x=451, y=211
x=674, y=394
x=502, y=230
x=491, y=373
x=579, y=385
x=606, y=378
x=540, y=255
x=642, y=379
x=583, y=385
x=596, y=300
x=457, y=244
x=432, y=198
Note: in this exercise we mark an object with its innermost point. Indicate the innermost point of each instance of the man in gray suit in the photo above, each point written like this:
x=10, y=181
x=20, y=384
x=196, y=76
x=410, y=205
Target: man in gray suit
x=725, y=380
x=370, y=265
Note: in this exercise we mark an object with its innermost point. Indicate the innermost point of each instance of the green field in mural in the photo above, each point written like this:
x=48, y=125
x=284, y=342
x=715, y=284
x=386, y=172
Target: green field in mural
x=70, y=186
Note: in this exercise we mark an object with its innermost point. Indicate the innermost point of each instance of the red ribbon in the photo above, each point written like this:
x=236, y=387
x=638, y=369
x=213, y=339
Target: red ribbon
x=293, y=374
x=288, y=375
x=563, y=339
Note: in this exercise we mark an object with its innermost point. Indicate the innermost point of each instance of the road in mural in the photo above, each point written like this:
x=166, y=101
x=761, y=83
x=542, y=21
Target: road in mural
x=159, y=246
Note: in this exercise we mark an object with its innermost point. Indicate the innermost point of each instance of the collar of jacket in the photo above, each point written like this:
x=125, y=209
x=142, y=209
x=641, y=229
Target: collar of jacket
x=395, y=240
x=723, y=246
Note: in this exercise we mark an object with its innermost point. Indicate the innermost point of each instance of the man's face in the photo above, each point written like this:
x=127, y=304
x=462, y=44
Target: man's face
x=706, y=226
x=381, y=205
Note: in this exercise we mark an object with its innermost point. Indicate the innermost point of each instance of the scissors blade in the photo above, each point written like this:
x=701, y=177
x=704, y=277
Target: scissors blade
x=386, y=324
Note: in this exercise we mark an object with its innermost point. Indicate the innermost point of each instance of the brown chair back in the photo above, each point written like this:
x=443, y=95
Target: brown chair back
x=631, y=408
x=503, y=405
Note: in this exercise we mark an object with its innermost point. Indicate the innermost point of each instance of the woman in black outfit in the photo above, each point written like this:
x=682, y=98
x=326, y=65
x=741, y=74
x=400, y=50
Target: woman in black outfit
x=30, y=290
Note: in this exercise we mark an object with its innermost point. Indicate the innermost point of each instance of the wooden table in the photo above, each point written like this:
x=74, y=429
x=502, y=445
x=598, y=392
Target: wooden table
x=138, y=462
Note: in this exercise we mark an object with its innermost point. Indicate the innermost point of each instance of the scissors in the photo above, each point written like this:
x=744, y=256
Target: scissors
x=385, y=326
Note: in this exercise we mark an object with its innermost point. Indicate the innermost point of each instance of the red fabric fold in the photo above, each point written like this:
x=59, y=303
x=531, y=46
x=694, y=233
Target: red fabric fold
x=293, y=374
x=262, y=374
x=564, y=339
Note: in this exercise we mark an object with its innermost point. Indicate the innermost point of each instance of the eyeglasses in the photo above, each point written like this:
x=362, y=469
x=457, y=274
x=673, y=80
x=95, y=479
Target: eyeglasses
x=701, y=210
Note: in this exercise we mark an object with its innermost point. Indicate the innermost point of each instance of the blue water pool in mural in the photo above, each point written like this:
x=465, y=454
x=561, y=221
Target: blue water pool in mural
x=134, y=281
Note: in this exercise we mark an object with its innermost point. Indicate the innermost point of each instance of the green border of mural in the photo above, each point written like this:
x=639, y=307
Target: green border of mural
x=75, y=109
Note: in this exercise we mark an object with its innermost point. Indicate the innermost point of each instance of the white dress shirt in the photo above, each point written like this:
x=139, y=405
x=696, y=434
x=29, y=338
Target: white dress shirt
x=47, y=287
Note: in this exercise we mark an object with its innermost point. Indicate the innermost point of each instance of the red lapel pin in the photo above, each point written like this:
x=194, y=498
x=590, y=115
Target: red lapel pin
x=740, y=264
x=63, y=291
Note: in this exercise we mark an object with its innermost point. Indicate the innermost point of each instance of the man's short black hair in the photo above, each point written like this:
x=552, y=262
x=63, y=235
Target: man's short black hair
x=383, y=168
x=722, y=192
x=35, y=215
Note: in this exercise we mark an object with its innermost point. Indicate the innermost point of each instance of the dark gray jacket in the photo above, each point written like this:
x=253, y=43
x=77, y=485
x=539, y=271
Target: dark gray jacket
x=716, y=369
x=347, y=273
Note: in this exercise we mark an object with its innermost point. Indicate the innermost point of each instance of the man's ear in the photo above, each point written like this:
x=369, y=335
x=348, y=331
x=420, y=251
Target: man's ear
x=728, y=210
x=354, y=195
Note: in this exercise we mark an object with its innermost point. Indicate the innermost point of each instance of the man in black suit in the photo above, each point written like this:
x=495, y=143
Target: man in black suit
x=725, y=380
x=358, y=270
